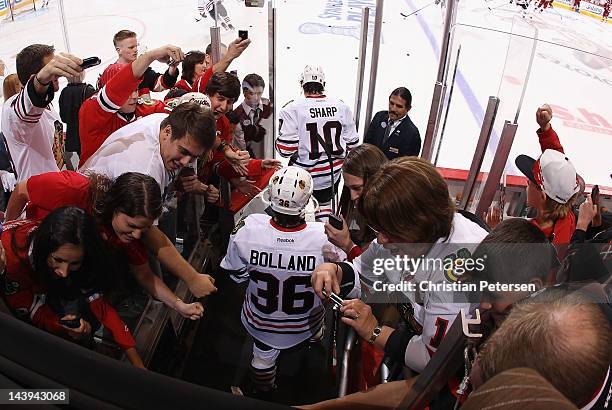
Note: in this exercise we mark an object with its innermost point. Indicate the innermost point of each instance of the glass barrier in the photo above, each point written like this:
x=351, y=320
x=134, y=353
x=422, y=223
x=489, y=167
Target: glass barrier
x=23, y=20
x=526, y=59
x=409, y=53
x=325, y=34
x=513, y=84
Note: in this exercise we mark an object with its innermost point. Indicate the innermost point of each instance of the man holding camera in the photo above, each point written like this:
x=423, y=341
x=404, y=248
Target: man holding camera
x=33, y=130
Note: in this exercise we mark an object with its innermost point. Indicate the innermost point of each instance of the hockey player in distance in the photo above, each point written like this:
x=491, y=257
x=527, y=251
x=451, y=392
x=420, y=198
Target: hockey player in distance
x=277, y=255
x=208, y=6
x=305, y=124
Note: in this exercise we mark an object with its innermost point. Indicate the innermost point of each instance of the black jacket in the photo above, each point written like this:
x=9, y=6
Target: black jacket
x=405, y=140
x=70, y=102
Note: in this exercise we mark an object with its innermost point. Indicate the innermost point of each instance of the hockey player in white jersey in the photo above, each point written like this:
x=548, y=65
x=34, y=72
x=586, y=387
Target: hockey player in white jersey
x=420, y=240
x=306, y=124
x=208, y=6
x=277, y=255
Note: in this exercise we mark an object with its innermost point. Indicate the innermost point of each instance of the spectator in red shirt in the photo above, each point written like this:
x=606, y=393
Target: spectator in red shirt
x=124, y=209
x=56, y=272
x=126, y=45
x=194, y=65
x=115, y=104
x=227, y=55
x=553, y=183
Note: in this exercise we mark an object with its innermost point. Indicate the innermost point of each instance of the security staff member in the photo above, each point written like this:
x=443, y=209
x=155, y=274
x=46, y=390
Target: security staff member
x=393, y=131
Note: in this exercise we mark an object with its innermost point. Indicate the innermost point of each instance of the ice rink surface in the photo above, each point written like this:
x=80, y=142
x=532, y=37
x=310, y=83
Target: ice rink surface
x=571, y=67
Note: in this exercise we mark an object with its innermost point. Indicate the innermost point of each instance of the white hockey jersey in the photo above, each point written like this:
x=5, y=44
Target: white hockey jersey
x=306, y=121
x=435, y=311
x=280, y=308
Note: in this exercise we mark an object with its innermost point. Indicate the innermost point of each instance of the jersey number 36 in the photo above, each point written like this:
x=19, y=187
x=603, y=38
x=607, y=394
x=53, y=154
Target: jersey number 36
x=270, y=295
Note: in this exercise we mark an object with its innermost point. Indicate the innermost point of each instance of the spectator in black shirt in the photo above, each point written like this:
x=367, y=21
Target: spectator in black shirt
x=70, y=100
x=393, y=131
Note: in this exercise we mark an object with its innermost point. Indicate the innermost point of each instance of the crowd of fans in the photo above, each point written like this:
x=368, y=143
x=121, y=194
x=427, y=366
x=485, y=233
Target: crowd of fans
x=95, y=201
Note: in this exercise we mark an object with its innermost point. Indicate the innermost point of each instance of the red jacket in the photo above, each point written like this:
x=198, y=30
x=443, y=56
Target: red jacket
x=199, y=85
x=563, y=229
x=54, y=190
x=183, y=85
x=99, y=115
x=25, y=295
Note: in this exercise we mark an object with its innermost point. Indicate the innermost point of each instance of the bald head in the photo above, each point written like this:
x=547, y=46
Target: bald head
x=564, y=337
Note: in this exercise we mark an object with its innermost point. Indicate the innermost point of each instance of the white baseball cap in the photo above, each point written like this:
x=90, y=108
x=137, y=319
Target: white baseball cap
x=553, y=173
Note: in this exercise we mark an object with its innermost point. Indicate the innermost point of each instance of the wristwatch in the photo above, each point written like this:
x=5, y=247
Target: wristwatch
x=375, y=334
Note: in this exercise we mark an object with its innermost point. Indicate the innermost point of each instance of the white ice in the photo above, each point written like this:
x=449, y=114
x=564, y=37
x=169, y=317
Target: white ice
x=572, y=67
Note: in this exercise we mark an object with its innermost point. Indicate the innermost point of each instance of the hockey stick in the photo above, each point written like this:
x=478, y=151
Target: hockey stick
x=556, y=12
x=416, y=11
x=496, y=7
x=11, y=10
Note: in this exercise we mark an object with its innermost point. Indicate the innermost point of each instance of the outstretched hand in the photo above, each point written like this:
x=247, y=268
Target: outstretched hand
x=543, y=116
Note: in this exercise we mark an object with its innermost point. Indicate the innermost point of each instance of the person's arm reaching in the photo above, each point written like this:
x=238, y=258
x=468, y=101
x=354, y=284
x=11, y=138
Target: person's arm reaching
x=199, y=284
x=547, y=136
x=383, y=396
x=108, y=316
x=17, y=202
x=234, y=50
x=160, y=291
x=162, y=54
x=36, y=95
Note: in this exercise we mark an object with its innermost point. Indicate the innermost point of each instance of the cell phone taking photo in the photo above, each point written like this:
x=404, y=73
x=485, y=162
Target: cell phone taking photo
x=90, y=62
x=595, y=195
x=336, y=300
x=336, y=222
x=71, y=323
x=187, y=172
x=243, y=34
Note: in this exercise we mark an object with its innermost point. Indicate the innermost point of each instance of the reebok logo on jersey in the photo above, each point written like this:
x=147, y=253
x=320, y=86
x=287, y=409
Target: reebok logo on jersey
x=285, y=240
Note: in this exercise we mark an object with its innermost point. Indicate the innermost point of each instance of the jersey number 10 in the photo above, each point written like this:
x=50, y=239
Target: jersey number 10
x=332, y=142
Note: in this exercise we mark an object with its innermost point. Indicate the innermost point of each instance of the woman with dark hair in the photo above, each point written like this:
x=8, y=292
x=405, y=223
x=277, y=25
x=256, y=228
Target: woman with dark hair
x=124, y=209
x=55, y=273
x=192, y=66
x=361, y=162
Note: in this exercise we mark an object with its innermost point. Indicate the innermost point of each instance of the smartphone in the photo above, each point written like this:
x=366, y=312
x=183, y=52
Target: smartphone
x=90, y=62
x=243, y=34
x=336, y=222
x=336, y=300
x=71, y=323
x=187, y=172
x=595, y=194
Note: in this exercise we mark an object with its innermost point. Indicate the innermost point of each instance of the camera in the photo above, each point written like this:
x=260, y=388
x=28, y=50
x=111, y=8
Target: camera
x=71, y=323
x=336, y=222
x=90, y=62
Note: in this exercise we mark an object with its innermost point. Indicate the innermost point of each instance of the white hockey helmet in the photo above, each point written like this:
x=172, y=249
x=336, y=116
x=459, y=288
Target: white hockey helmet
x=312, y=75
x=290, y=189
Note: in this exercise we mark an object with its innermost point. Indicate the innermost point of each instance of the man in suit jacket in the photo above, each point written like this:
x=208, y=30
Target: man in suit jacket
x=392, y=131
